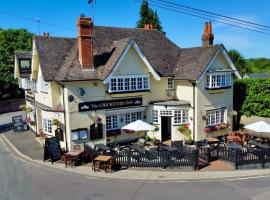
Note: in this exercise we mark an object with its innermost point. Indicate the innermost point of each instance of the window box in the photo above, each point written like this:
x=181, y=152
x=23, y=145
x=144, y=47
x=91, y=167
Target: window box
x=113, y=133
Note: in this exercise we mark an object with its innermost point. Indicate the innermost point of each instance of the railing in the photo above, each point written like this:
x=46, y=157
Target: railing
x=129, y=158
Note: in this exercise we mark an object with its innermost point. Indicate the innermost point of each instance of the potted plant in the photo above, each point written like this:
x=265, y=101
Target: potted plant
x=188, y=139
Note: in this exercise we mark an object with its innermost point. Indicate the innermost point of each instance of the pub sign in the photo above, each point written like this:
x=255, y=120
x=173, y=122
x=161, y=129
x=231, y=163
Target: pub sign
x=109, y=104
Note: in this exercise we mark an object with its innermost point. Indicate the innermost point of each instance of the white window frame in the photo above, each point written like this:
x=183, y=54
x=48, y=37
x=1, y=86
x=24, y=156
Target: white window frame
x=181, y=116
x=43, y=86
x=215, y=116
x=218, y=80
x=133, y=116
x=155, y=114
x=170, y=84
x=47, y=126
x=111, y=119
x=129, y=83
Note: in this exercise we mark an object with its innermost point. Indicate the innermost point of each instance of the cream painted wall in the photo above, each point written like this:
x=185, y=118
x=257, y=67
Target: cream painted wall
x=184, y=91
x=132, y=64
x=96, y=90
x=211, y=99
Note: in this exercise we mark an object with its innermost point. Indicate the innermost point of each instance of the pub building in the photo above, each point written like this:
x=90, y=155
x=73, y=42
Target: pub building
x=84, y=89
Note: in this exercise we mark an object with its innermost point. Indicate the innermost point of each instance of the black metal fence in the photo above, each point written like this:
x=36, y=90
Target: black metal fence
x=163, y=159
x=246, y=157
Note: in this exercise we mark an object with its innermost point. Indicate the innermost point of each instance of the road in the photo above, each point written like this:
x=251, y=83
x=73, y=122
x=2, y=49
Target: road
x=24, y=181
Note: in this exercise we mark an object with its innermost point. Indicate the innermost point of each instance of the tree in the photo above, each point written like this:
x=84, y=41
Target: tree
x=147, y=16
x=11, y=40
x=239, y=62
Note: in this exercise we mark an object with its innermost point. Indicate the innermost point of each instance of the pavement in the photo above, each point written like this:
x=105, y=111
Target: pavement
x=6, y=118
x=26, y=147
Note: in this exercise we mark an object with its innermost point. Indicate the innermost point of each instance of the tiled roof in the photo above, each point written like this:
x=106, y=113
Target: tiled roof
x=59, y=61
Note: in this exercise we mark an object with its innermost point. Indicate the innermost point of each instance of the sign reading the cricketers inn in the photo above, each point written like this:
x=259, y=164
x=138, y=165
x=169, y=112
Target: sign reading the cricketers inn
x=109, y=104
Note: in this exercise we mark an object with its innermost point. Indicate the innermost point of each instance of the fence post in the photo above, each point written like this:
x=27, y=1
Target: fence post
x=262, y=157
x=208, y=152
x=129, y=157
x=195, y=157
x=236, y=155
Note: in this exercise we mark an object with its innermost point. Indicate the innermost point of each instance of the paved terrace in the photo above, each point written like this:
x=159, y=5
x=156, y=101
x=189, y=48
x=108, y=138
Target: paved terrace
x=25, y=146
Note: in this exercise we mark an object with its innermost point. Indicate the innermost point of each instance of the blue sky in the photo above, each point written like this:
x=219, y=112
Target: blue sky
x=182, y=29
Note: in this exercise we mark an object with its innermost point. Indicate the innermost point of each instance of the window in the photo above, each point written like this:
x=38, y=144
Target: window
x=47, y=126
x=132, y=117
x=43, y=86
x=214, y=117
x=131, y=83
x=113, y=84
x=155, y=116
x=216, y=80
x=166, y=113
x=79, y=134
x=170, y=84
x=112, y=122
x=180, y=116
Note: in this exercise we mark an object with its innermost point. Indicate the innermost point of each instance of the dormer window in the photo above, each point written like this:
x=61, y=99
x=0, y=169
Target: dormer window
x=218, y=80
x=131, y=83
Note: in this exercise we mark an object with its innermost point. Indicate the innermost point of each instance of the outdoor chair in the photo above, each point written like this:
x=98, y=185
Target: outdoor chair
x=89, y=153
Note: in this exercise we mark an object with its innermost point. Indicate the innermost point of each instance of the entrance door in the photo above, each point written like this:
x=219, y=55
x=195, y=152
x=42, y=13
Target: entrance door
x=165, y=128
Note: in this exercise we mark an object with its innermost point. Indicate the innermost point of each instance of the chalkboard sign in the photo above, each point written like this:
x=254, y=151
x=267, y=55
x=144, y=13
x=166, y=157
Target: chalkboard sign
x=52, y=149
x=18, y=123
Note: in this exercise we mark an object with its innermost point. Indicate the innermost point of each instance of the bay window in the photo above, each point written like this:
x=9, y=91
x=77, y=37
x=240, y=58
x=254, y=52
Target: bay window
x=132, y=117
x=215, y=117
x=155, y=116
x=129, y=83
x=218, y=80
x=180, y=117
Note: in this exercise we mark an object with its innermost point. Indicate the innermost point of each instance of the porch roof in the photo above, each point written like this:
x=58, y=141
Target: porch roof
x=172, y=103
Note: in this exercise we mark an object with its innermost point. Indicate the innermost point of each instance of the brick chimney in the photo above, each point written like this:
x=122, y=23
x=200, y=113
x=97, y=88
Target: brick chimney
x=85, y=42
x=46, y=34
x=148, y=26
x=208, y=36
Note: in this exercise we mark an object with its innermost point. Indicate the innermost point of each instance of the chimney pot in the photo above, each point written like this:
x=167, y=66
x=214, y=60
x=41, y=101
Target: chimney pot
x=148, y=26
x=208, y=36
x=85, y=42
x=47, y=34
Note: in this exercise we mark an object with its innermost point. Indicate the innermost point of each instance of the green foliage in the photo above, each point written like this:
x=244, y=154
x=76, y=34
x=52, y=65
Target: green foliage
x=252, y=65
x=147, y=16
x=11, y=40
x=258, y=65
x=147, y=138
x=239, y=62
x=252, y=97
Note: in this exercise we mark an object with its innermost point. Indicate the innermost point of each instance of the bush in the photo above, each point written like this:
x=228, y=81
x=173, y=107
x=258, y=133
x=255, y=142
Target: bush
x=252, y=97
x=147, y=138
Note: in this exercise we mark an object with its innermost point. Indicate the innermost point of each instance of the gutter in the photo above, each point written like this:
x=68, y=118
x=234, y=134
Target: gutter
x=65, y=124
x=194, y=116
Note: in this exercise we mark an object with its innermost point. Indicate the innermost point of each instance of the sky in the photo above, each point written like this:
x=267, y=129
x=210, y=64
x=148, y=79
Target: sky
x=184, y=30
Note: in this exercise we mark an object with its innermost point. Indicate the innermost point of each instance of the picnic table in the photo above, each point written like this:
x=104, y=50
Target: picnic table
x=167, y=148
x=102, y=147
x=138, y=149
x=102, y=162
x=72, y=156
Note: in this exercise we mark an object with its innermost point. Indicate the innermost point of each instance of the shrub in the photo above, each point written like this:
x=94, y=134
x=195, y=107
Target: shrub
x=147, y=138
x=252, y=97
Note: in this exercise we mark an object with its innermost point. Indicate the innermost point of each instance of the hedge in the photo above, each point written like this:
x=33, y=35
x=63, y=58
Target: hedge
x=252, y=97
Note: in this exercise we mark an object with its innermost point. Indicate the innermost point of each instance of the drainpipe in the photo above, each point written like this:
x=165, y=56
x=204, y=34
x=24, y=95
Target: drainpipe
x=194, y=118
x=64, y=105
